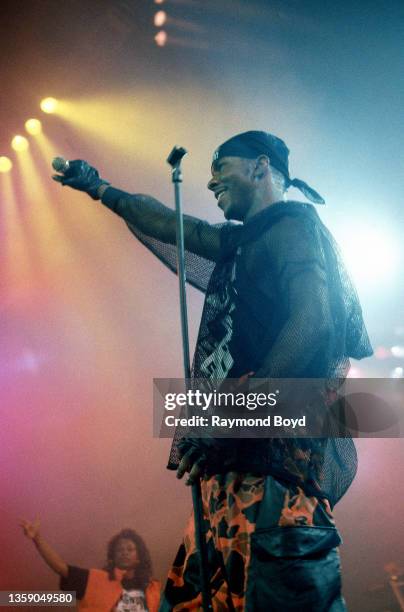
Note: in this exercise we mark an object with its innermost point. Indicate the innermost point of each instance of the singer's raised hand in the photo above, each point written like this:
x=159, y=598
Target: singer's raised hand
x=81, y=176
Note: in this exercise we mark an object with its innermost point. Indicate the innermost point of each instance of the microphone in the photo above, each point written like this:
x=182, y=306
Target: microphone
x=60, y=164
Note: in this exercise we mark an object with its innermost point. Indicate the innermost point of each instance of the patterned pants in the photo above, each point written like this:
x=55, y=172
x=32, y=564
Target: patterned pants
x=270, y=549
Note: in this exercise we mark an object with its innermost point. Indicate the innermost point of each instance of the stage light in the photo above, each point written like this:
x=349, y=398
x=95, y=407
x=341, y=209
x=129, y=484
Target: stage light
x=5, y=164
x=397, y=351
x=371, y=256
x=397, y=373
x=161, y=38
x=19, y=143
x=158, y=1
x=160, y=18
x=33, y=126
x=49, y=105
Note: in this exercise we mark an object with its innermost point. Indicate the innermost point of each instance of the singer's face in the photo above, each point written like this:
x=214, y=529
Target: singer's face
x=233, y=186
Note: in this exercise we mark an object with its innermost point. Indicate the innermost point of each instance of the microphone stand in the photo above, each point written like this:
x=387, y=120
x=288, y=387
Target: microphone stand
x=174, y=159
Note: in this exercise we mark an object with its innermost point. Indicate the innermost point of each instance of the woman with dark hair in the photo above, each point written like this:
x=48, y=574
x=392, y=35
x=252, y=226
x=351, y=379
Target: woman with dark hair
x=124, y=585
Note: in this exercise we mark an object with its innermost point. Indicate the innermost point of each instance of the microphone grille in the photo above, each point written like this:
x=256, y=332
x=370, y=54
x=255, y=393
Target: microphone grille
x=60, y=164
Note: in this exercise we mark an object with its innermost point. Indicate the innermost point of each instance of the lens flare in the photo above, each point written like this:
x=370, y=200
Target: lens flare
x=5, y=164
x=19, y=143
x=33, y=126
x=49, y=105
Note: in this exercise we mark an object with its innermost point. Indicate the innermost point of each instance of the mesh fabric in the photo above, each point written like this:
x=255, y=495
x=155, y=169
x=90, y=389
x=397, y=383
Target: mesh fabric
x=263, y=280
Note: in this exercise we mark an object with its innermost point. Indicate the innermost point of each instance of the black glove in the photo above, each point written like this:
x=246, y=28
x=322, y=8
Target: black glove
x=80, y=175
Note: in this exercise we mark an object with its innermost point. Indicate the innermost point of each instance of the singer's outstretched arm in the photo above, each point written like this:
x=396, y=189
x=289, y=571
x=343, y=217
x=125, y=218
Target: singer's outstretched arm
x=158, y=221
x=144, y=212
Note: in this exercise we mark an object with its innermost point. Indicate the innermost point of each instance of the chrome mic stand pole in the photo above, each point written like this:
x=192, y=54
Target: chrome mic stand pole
x=174, y=159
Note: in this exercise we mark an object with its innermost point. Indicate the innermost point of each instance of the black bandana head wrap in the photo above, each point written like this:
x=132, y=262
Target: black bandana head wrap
x=253, y=144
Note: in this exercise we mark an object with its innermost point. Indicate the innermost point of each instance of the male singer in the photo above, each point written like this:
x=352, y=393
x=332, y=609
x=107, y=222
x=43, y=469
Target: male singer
x=279, y=304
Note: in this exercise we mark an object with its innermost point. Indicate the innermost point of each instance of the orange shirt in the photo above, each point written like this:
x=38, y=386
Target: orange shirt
x=102, y=594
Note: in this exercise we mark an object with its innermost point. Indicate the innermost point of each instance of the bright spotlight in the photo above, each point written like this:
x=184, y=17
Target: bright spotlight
x=397, y=351
x=49, y=105
x=5, y=164
x=33, y=126
x=161, y=38
x=354, y=372
x=397, y=373
x=19, y=143
x=158, y=1
x=160, y=18
x=371, y=256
